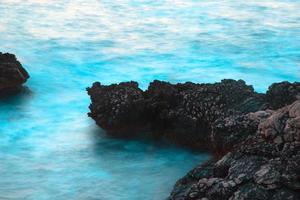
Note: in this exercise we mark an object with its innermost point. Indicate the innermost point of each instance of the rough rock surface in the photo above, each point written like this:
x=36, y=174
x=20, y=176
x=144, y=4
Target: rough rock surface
x=230, y=131
x=257, y=146
x=182, y=113
x=282, y=94
x=117, y=108
x=264, y=166
x=12, y=74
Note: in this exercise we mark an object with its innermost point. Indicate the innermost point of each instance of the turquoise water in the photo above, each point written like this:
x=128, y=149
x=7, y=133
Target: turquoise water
x=49, y=149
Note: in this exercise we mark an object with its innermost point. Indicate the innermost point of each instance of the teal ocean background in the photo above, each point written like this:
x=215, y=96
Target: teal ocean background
x=50, y=149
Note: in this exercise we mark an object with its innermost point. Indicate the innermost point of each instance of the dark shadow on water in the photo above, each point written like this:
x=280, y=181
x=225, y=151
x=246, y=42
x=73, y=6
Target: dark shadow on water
x=104, y=141
x=16, y=97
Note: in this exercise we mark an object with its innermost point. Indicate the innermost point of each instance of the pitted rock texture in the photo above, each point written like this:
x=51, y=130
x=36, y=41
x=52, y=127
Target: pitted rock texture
x=182, y=113
x=265, y=166
x=12, y=74
x=230, y=131
x=117, y=108
x=258, y=146
x=282, y=94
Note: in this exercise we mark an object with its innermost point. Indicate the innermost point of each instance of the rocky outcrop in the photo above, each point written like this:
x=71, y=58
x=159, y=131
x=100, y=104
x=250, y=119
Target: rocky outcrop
x=282, y=94
x=256, y=147
x=117, y=108
x=12, y=74
x=182, y=113
x=264, y=166
x=195, y=115
x=228, y=132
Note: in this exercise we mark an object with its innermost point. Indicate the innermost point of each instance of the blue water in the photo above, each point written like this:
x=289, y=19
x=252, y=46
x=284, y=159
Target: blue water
x=49, y=149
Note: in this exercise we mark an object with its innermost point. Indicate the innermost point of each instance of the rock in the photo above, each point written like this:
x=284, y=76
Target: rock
x=284, y=194
x=230, y=131
x=257, y=168
x=184, y=186
x=268, y=176
x=250, y=192
x=117, y=108
x=181, y=113
x=12, y=74
x=282, y=94
x=283, y=124
x=258, y=148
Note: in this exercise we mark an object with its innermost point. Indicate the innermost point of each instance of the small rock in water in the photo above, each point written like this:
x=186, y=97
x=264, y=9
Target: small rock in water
x=12, y=73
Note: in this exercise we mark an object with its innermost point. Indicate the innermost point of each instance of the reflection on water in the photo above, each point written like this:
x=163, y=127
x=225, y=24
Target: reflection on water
x=49, y=149
x=18, y=96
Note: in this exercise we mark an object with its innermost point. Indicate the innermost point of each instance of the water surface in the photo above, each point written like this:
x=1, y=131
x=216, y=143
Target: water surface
x=49, y=149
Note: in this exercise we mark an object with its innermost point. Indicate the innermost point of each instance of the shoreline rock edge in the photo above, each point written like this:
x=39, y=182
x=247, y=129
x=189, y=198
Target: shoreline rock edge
x=12, y=74
x=254, y=137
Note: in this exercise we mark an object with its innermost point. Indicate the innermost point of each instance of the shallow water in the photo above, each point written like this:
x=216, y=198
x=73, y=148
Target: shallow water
x=49, y=149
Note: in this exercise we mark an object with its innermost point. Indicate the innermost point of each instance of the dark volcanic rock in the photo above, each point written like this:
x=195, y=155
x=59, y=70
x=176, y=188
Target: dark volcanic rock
x=190, y=109
x=12, y=74
x=184, y=186
x=182, y=113
x=117, y=108
x=264, y=166
x=282, y=94
x=230, y=131
x=259, y=148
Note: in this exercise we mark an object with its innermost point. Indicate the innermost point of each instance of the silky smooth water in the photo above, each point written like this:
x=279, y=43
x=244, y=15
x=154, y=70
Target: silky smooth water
x=50, y=149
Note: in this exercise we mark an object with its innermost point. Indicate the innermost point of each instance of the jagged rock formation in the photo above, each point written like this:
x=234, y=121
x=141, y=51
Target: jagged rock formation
x=264, y=166
x=257, y=146
x=282, y=94
x=12, y=74
x=117, y=108
x=182, y=113
x=229, y=132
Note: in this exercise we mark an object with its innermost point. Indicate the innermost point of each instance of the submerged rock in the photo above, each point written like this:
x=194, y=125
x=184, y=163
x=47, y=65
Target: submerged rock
x=12, y=74
x=260, y=167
